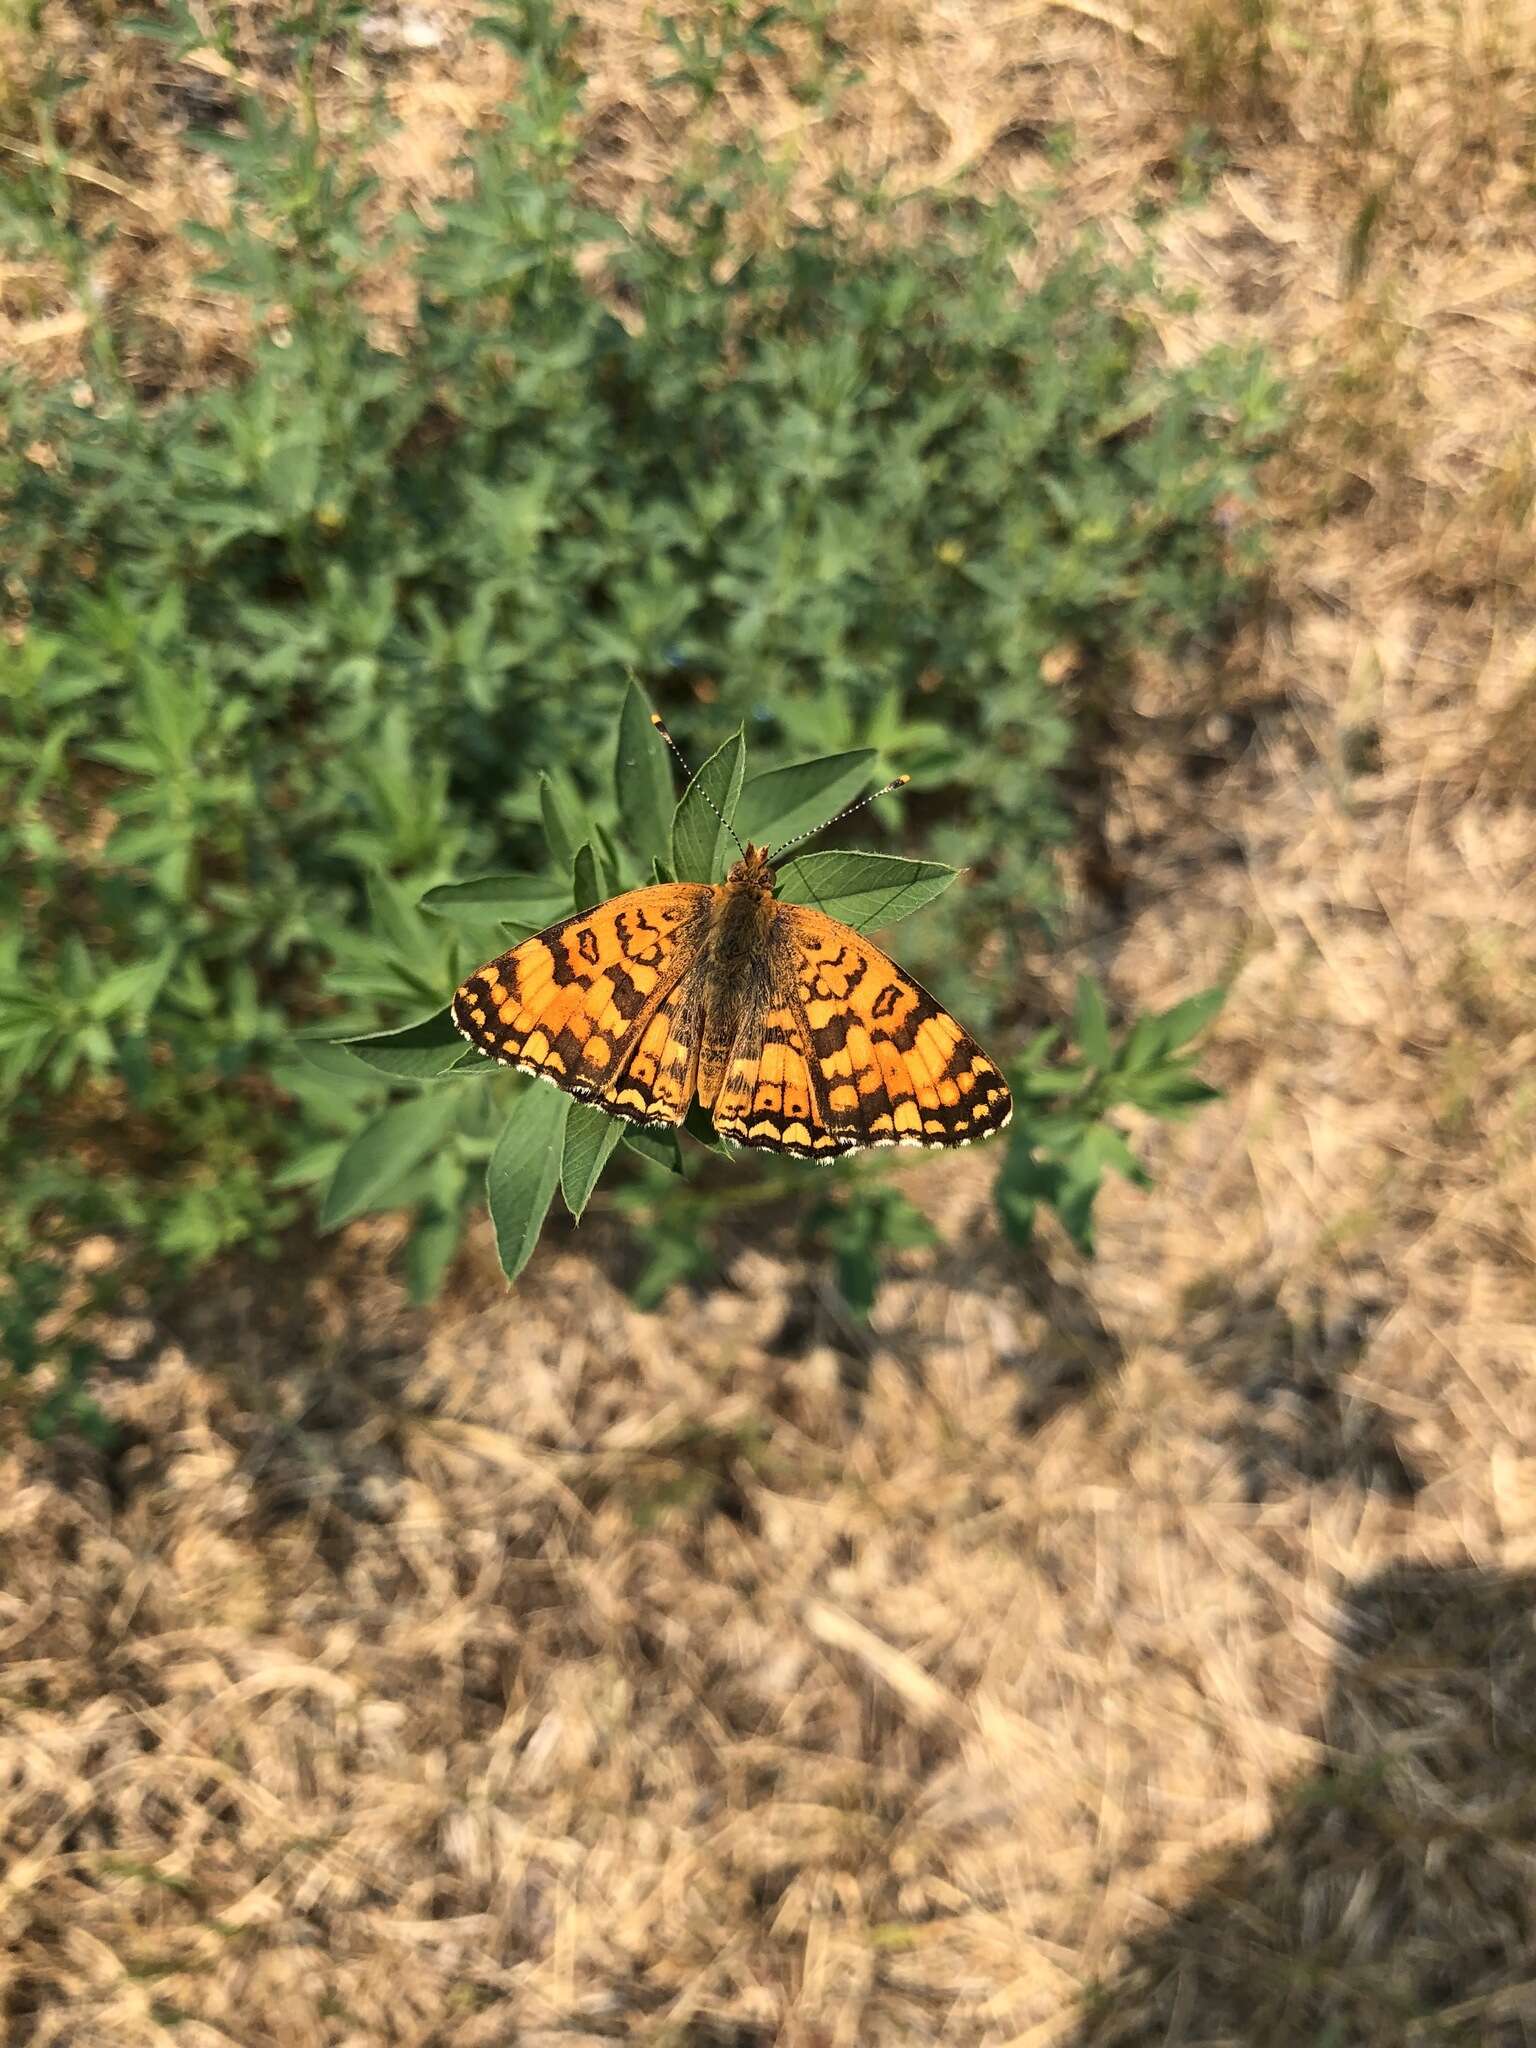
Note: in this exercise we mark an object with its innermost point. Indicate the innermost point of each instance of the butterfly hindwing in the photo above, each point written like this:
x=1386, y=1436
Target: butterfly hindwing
x=771, y=1097
x=594, y=1003
x=655, y=1075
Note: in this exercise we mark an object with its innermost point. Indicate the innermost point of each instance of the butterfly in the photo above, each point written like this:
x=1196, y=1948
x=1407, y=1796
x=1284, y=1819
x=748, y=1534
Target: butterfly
x=792, y=1030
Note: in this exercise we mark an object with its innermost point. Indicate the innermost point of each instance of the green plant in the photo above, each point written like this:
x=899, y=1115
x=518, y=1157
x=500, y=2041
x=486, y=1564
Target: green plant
x=283, y=654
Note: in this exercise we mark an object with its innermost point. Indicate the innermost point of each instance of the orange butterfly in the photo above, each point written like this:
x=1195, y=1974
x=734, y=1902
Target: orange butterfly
x=795, y=1031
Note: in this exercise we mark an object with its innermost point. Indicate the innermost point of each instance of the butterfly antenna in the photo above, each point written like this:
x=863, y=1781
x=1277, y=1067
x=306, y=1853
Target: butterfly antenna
x=677, y=750
x=838, y=816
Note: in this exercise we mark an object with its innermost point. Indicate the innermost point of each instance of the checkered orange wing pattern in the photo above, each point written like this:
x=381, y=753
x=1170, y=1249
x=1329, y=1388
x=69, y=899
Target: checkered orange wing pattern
x=772, y=1096
x=887, y=1064
x=607, y=1004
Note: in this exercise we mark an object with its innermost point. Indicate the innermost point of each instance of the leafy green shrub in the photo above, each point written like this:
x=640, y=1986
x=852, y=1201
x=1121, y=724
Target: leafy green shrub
x=283, y=654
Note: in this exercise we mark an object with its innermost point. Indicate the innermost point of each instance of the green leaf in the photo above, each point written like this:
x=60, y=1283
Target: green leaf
x=1140, y=1049
x=610, y=872
x=590, y=1137
x=564, y=826
x=415, y=1052
x=1171, y=1094
x=132, y=989
x=1073, y=1201
x=429, y=1251
x=700, y=1125
x=1046, y=1084
x=524, y=1171
x=384, y=1153
x=700, y=840
x=335, y=1062
x=858, y=1279
x=586, y=890
x=642, y=780
x=659, y=1146
x=1091, y=1023
x=865, y=890
x=1101, y=1145
x=787, y=802
x=1179, y=1025
x=1152, y=1041
x=1024, y=1183
x=307, y=1168
x=531, y=900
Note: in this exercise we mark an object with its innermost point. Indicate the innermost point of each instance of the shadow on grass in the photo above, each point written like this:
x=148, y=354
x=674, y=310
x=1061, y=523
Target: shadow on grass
x=1393, y=1901
x=1297, y=1415
x=1065, y=1352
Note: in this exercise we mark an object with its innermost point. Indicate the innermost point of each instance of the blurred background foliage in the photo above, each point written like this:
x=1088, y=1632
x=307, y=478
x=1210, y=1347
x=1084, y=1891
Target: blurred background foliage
x=286, y=653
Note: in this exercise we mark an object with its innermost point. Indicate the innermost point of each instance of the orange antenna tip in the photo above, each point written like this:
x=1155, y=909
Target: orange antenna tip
x=656, y=718
x=900, y=783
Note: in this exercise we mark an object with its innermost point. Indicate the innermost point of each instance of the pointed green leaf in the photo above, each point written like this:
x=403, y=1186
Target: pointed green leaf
x=659, y=1146
x=384, y=1153
x=1152, y=1040
x=586, y=890
x=701, y=838
x=311, y=1166
x=531, y=900
x=416, y=1052
x=865, y=890
x=1142, y=1047
x=1173, y=1093
x=1073, y=1202
x=590, y=1136
x=610, y=870
x=1031, y=1059
x=429, y=1250
x=699, y=1124
x=1091, y=1023
x=642, y=780
x=1046, y=1084
x=336, y=1062
x=524, y=1171
x=788, y=802
x=1180, y=1024
x=1024, y=1183
x=131, y=989
x=564, y=827
x=1102, y=1145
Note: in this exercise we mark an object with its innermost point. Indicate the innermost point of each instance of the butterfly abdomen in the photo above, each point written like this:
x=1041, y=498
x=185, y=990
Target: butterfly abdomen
x=738, y=971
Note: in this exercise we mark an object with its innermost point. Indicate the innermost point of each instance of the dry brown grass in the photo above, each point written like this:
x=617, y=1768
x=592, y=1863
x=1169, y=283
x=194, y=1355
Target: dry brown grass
x=1136, y=1653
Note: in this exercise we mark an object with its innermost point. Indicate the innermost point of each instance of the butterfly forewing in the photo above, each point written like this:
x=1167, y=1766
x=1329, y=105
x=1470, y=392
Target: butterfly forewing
x=601, y=1002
